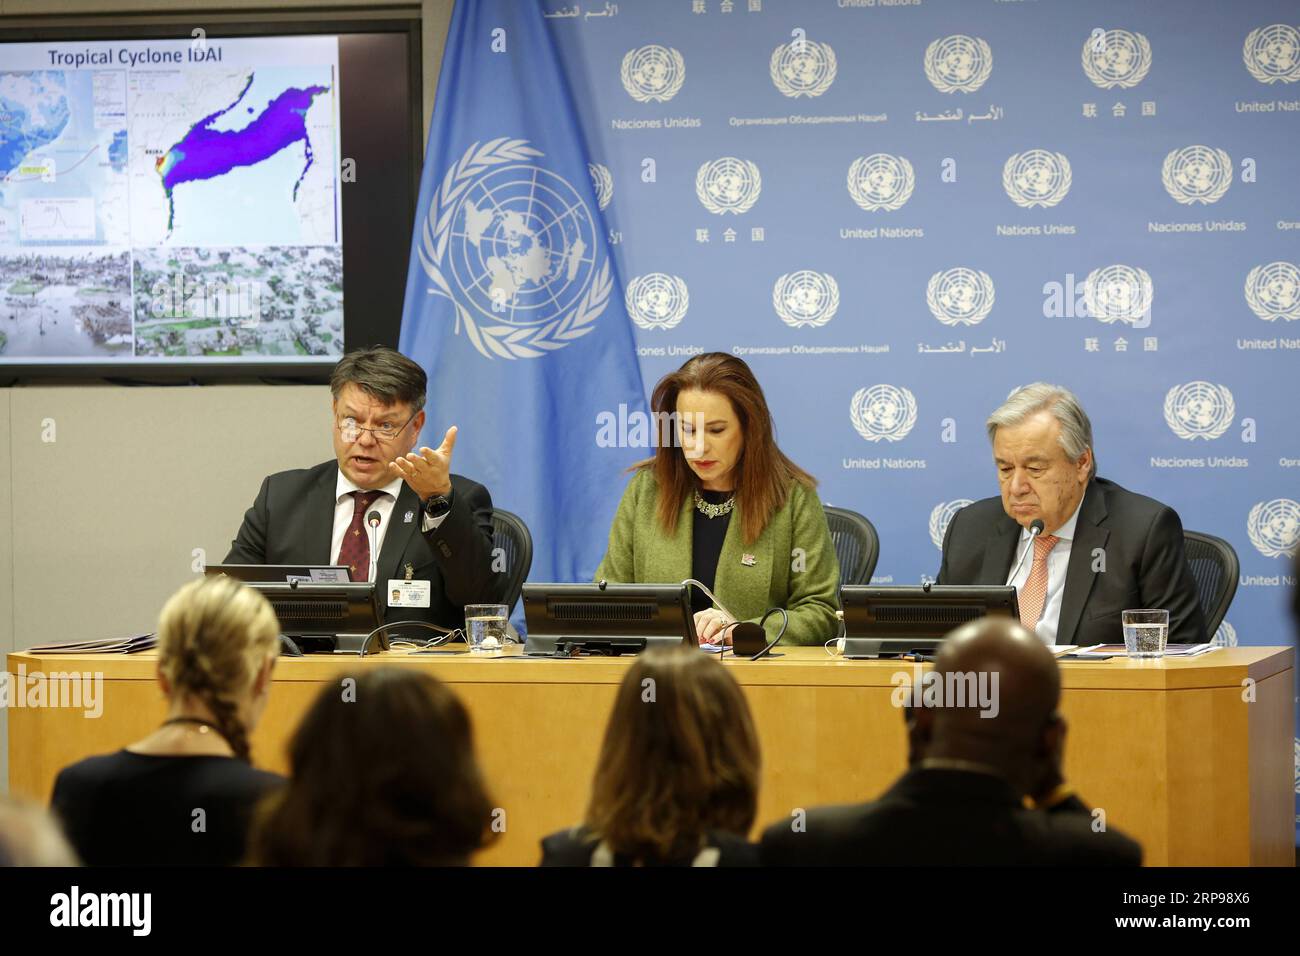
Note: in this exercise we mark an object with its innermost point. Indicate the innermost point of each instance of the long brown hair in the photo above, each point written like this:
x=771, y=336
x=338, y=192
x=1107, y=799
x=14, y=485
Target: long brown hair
x=680, y=757
x=383, y=773
x=214, y=637
x=764, y=473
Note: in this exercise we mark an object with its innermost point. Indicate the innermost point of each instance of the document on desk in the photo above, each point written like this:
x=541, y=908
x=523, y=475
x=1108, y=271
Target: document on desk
x=111, y=645
x=1118, y=650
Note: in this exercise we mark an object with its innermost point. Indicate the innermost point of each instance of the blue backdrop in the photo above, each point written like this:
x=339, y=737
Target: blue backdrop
x=895, y=212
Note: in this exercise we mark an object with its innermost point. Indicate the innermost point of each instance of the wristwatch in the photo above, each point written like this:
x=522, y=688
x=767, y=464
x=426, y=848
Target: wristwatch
x=438, y=505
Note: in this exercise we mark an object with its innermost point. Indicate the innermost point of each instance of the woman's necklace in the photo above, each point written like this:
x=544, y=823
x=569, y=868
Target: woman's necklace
x=709, y=509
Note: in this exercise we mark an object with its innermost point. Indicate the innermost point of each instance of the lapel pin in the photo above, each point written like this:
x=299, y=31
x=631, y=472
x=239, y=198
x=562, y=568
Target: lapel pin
x=748, y=560
x=410, y=571
x=410, y=516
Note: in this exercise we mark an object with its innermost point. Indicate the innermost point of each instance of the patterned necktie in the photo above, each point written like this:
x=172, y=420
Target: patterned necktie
x=355, y=549
x=1033, y=595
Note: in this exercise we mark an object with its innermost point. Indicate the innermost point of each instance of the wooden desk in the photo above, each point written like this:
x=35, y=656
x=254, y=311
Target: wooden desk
x=1169, y=749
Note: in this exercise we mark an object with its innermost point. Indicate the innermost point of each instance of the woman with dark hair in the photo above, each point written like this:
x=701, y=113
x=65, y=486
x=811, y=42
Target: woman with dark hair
x=677, y=778
x=720, y=502
x=184, y=794
x=383, y=773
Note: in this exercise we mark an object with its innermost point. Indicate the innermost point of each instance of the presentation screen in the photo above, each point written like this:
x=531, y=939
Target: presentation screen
x=180, y=202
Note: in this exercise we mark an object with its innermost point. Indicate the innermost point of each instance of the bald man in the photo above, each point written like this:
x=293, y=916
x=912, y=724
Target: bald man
x=985, y=787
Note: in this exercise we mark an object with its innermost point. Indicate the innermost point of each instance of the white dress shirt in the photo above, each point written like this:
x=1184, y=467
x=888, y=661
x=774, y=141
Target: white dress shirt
x=345, y=507
x=1058, y=560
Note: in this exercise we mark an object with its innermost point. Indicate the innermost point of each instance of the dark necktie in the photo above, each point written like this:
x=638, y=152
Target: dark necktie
x=355, y=549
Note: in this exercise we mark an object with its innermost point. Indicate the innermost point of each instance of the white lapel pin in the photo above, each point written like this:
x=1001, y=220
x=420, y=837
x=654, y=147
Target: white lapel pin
x=748, y=560
x=410, y=516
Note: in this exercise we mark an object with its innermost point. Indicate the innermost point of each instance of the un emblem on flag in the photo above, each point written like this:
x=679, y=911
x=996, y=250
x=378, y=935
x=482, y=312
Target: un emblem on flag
x=803, y=68
x=1199, y=410
x=1119, y=293
x=1274, y=527
x=941, y=515
x=728, y=185
x=958, y=63
x=1197, y=174
x=657, y=300
x=1273, y=291
x=881, y=181
x=1036, y=178
x=653, y=73
x=883, y=412
x=1272, y=53
x=1116, y=58
x=806, y=299
x=959, y=296
x=515, y=248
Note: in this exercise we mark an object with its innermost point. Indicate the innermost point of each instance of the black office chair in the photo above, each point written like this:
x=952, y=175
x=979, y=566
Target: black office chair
x=512, y=540
x=1215, y=569
x=856, y=544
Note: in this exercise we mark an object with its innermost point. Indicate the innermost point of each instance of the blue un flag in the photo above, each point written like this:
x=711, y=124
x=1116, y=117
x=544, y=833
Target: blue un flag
x=513, y=302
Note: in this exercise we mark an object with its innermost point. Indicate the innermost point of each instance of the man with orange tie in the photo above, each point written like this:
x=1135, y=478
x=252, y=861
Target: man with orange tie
x=1079, y=549
x=431, y=530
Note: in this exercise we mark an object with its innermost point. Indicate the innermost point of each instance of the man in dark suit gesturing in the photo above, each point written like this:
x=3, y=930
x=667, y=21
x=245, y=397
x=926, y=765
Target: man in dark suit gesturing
x=434, y=533
x=1099, y=550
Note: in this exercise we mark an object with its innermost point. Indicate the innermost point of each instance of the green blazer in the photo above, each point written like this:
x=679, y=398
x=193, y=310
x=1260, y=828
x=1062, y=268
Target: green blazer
x=794, y=564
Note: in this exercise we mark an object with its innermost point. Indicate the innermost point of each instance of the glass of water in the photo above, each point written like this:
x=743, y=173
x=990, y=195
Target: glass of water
x=1145, y=632
x=485, y=627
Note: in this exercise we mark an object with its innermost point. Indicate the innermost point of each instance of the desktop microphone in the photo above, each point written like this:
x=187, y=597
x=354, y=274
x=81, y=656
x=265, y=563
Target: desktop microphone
x=1035, y=529
x=372, y=527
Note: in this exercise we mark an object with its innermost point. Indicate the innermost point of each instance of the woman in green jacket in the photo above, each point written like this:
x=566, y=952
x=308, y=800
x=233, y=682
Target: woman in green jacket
x=719, y=502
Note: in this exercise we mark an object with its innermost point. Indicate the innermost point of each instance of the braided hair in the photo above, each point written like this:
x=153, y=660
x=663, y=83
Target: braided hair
x=214, y=636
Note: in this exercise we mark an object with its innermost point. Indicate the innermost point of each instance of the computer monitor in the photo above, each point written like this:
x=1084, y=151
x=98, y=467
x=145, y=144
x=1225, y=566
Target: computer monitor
x=332, y=573
x=325, y=617
x=566, y=619
x=889, y=621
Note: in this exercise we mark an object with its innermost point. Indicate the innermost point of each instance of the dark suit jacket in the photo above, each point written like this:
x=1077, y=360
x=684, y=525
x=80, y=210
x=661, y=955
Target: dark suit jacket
x=574, y=847
x=292, y=522
x=1145, y=564
x=933, y=817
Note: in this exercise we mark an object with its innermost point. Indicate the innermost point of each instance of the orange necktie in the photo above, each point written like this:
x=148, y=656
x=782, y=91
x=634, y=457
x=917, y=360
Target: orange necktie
x=1033, y=595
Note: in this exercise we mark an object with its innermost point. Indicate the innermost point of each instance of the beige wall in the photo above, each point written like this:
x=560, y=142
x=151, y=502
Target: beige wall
x=98, y=526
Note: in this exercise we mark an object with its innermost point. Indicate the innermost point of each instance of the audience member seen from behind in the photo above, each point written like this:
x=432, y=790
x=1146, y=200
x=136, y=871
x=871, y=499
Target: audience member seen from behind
x=383, y=773
x=30, y=836
x=677, y=778
x=994, y=739
x=184, y=794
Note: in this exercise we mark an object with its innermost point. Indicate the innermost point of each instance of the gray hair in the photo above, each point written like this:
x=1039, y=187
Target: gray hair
x=1076, y=429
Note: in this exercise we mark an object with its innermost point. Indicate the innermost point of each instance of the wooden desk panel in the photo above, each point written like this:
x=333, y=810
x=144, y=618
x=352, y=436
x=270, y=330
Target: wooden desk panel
x=1168, y=749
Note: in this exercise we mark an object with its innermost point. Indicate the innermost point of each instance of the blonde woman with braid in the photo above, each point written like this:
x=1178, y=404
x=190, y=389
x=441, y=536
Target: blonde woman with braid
x=185, y=793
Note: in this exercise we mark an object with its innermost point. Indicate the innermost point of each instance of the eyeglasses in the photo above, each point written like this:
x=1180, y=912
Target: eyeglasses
x=386, y=432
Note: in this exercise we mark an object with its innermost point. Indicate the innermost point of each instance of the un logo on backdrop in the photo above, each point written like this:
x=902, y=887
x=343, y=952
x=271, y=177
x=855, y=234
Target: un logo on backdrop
x=1225, y=636
x=512, y=243
x=653, y=74
x=1116, y=58
x=1118, y=293
x=959, y=296
x=881, y=181
x=958, y=63
x=1199, y=410
x=657, y=300
x=941, y=515
x=1036, y=178
x=883, y=412
x=806, y=299
x=602, y=182
x=1273, y=291
x=1272, y=53
x=803, y=68
x=1197, y=174
x=1274, y=527
x=728, y=185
